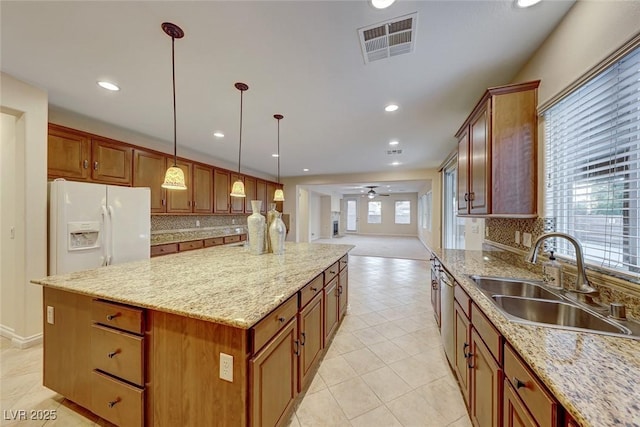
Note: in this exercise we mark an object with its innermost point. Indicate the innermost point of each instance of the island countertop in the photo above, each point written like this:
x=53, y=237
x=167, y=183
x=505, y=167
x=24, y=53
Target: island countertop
x=224, y=284
x=595, y=377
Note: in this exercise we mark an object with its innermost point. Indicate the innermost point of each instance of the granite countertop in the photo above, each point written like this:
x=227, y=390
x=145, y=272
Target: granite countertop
x=595, y=377
x=223, y=284
x=184, y=235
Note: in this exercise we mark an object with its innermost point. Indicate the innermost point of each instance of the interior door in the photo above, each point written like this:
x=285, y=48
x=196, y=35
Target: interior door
x=352, y=215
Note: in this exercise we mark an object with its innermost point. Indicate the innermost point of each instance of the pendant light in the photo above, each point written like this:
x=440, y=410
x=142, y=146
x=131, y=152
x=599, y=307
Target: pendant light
x=279, y=194
x=174, y=177
x=238, y=187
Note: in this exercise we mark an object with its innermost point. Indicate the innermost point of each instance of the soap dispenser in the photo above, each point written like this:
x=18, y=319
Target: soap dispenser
x=552, y=272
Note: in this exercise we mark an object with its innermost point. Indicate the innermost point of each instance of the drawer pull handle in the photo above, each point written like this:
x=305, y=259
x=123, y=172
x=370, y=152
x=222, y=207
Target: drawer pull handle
x=110, y=317
x=304, y=338
x=281, y=319
x=468, y=356
x=113, y=354
x=332, y=272
x=517, y=383
x=297, y=350
x=95, y=166
x=314, y=289
x=114, y=402
x=464, y=350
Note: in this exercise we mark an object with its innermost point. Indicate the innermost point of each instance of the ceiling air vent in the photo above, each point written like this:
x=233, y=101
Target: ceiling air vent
x=390, y=38
x=391, y=152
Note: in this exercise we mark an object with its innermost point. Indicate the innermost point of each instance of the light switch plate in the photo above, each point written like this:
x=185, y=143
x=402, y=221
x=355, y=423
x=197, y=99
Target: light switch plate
x=526, y=239
x=50, y=315
x=517, y=237
x=226, y=367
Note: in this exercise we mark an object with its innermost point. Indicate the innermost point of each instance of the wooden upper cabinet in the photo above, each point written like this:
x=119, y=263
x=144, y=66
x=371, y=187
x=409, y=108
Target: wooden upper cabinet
x=250, y=190
x=221, y=191
x=180, y=201
x=261, y=194
x=202, y=189
x=237, y=203
x=68, y=154
x=497, y=154
x=148, y=171
x=271, y=191
x=111, y=162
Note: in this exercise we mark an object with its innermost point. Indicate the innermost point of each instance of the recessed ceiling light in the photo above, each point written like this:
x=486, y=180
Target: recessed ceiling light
x=218, y=134
x=394, y=142
x=275, y=155
x=391, y=107
x=108, y=85
x=395, y=163
x=526, y=3
x=382, y=4
x=305, y=170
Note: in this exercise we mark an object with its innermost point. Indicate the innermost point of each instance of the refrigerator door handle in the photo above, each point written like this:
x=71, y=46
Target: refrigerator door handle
x=105, y=220
x=110, y=251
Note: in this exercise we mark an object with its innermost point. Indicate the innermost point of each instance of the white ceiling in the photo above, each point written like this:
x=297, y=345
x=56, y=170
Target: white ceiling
x=301, y=59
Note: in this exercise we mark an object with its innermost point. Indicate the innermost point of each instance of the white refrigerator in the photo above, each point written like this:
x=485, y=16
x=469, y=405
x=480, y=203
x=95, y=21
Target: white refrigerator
x=94, y=225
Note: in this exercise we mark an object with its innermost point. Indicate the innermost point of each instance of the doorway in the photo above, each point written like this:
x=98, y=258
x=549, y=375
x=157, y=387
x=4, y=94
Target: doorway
x=352, y=216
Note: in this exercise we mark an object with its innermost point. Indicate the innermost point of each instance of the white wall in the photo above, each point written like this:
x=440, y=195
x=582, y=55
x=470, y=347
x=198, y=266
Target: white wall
x=388, y=226
x=27, y=105
x=315, y=216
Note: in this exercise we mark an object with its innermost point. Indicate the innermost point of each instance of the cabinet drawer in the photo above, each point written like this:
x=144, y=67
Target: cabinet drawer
x=271, y=324
x=117, y=353
x=540, y=403
x=310, y=290
x=331, y=272
x=463, y=299
x=119, y=316
x=243, y=237
x=169, y=248
x=187, y=246
x=117, y=402
x=231, y=239
x=213, y=241
x=487, y=332
x=343, y=262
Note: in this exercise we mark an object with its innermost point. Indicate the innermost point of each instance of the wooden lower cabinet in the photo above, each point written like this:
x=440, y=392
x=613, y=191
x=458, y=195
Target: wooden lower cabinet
x=273, y=376
x=515, y=413
x=311, y=338
x=343, y=294
x=486, y=385
x=462, y=343
x=331, y=295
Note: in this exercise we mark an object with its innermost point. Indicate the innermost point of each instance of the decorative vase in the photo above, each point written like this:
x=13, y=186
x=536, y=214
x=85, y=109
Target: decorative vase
x=277, y=233
x=256, y=226
x=271, y=215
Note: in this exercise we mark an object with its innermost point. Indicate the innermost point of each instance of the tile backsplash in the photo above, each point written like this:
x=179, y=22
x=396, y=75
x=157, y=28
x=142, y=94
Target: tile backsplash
x=189, y=222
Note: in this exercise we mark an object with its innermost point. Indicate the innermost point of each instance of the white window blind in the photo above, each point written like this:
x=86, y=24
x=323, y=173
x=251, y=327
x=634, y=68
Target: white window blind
x=593, y=167
x=403, y=212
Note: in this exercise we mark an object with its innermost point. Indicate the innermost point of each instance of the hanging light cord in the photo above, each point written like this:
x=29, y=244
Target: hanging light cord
x=173, y=69
x=278, y=151
x=240, y=148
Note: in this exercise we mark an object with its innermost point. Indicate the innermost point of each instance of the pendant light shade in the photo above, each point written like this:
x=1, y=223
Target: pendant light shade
x=279, y=194
x=238, y=187
x=174, y=177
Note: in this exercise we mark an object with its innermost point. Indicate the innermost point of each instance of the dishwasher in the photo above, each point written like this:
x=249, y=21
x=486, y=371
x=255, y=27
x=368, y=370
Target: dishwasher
x=447, y=315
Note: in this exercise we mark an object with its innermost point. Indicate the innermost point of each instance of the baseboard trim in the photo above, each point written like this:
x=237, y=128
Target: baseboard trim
x=19, y=341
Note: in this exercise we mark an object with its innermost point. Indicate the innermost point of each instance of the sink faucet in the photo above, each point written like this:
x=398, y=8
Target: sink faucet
x=582, y=284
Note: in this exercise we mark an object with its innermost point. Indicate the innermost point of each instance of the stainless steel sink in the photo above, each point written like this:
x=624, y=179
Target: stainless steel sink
x=555, y=313
x=514, y=287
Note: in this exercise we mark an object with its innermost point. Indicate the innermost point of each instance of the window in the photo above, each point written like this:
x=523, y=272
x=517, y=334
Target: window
x=593, y=167
x=403, y=212
x=453, y=233
x=374, y=212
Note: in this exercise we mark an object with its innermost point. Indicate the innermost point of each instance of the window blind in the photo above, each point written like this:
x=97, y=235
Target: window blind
x=593, y=167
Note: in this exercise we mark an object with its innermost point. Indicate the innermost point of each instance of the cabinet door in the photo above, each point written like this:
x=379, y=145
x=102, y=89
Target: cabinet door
x=261, y=194
x=221, y=191
x=311, y=338
x=271, y=192
x=179, y=201
x=515, y=413
x=148, y=171
x=202, y=189
x=435, y=296
x=486, y=385
x=463, y=174
x=274, y=377
x=111, y=162
x=250, y=190
x=237, y=203
x=330, y=309
x=343, y=293
x=67, y=154
x=462, y=344
x=480, y=162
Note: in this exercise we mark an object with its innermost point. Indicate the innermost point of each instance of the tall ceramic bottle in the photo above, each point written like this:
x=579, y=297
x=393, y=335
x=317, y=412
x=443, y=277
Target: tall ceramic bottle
x=271, y=215
x=256, y=226
x=277, y=233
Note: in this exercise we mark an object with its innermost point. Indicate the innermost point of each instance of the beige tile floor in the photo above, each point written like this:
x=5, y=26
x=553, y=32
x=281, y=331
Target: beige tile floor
x=385, y=367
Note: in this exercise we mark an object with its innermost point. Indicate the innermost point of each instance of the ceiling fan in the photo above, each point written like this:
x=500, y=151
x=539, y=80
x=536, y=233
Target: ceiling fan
x=371, y=193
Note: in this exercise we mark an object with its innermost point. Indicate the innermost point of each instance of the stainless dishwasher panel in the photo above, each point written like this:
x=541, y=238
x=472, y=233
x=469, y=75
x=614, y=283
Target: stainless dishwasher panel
x=446, y=315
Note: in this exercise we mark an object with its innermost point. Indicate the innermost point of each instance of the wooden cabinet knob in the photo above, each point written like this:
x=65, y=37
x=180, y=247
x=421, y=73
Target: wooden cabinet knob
x=281, y=319
x=110, y=317
x=517, y=383
x=114, y=402
x=113, y=353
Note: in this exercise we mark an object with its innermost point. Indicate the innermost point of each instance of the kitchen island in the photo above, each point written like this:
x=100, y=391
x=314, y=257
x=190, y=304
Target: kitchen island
x=215, y=336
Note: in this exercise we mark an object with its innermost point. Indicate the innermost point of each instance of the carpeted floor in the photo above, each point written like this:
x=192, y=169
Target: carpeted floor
x=382, y=246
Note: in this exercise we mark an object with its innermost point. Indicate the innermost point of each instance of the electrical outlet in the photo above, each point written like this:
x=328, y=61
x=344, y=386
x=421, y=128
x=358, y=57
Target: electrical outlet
x=197, y=223
x=517, y=237
x=226, y=367
x=526, y=239
x=50, y=315
x=486, y=231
